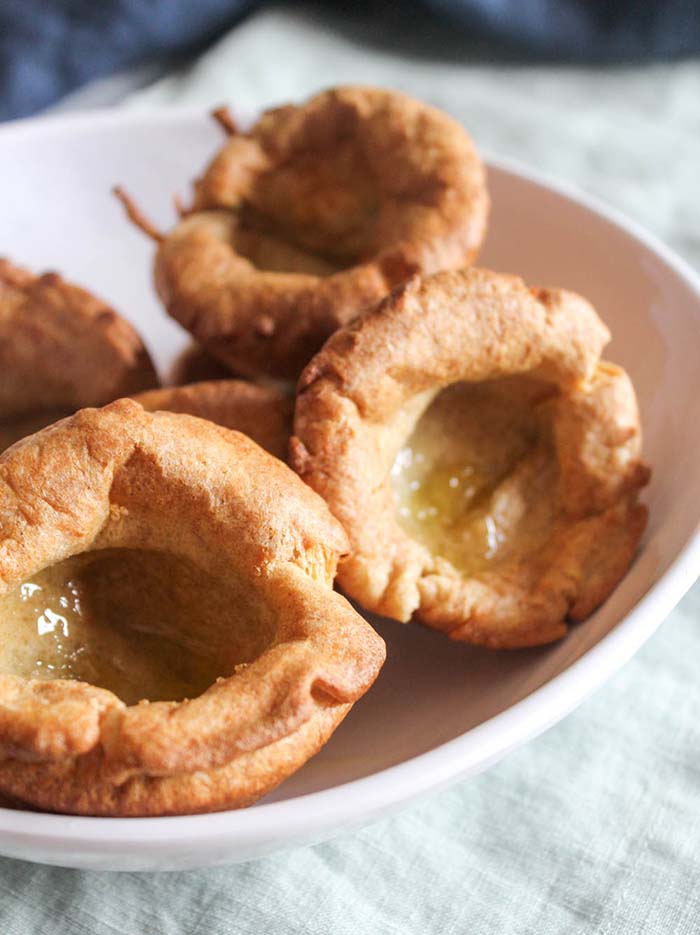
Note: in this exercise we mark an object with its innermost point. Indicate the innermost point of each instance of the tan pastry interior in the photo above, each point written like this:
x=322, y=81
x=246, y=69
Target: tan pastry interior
x=143, y=624
x=274, y=253
x=315, y=214
x=476, y=481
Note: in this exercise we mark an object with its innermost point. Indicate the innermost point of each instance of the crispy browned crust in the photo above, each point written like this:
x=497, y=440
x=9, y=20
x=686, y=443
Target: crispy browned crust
x=361, y=396
x=418, y=204
x=194, y=365
x=122, y=477
x=61, y=348
x=263, y=413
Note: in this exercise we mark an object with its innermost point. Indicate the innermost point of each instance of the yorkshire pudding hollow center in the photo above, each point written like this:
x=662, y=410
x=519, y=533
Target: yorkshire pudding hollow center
x=475, y=482
x=143, y=624
x=270, y=251
x=324, y=199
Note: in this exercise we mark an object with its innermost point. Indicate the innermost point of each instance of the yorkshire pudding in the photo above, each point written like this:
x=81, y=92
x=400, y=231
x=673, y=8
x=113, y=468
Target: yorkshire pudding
x=264, y=413
x=194, y=365
x=482, y=459
x=60, y=349
x=151, y=558
x=314, y=215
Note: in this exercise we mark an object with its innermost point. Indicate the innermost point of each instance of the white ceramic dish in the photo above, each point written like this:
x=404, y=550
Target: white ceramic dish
x=439, y=711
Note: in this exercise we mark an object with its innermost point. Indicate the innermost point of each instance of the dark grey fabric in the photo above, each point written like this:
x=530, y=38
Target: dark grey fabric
x=51, y=47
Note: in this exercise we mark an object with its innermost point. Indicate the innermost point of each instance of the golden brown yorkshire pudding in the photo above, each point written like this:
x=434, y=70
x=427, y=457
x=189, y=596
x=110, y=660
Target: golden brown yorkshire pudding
x=263, y=413
x=158, y=556
x=194, y=365
x=483, y=461
x=313, y=216
x=60, y=349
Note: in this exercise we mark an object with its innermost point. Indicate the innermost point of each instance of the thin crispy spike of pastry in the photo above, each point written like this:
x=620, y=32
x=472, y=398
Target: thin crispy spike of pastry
x=226, y=120
x=136, y=216
x=180, y=208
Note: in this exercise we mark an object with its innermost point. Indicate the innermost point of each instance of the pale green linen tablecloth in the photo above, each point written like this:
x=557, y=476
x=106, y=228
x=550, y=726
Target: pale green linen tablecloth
x=592, y=828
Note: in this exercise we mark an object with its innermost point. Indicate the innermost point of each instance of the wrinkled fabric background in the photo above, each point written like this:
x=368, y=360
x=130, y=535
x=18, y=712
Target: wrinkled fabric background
x=51, y=47
x=595, y=826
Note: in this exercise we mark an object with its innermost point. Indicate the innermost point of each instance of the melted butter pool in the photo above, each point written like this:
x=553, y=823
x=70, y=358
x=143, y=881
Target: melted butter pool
x=464, y=484
x=145, y=625
x=446, y=508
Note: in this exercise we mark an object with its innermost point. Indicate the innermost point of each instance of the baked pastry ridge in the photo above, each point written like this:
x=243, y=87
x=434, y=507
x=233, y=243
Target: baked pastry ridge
x=483, y=460
x=263, y=413
x=195, y=365
x=61, y=349
x=314, y=215
x=117, y=499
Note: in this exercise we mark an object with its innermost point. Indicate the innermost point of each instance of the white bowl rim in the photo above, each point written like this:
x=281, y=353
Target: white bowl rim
x=361, y=799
